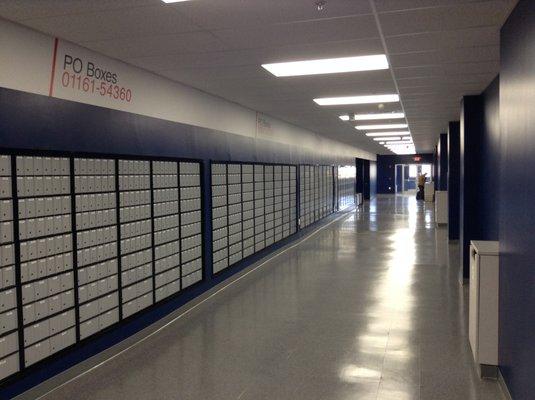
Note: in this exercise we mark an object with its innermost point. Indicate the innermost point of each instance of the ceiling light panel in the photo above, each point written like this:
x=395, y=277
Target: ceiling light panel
x=398, y=143
x=373, y=99
x=328, y=66
x=385, y=126
x=393, y=133
x=369, y=117
x=380, y=139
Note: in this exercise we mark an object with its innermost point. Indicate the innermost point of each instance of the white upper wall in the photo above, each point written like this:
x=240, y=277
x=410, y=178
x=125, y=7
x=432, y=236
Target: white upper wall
x=27, y=59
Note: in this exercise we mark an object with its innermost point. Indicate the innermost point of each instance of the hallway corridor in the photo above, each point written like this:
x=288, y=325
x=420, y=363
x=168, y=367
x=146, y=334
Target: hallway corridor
x=369, y=307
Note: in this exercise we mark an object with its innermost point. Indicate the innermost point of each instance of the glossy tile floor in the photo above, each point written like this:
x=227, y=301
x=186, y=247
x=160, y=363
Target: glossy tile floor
x=368, y=308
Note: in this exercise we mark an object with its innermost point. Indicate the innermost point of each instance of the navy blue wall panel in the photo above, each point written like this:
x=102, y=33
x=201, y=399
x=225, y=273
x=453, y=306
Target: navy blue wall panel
x=366, y=185
x=442, y=153
x=363, y=177
x=386, y=168
x=488, y=194
x=29, y=121
x=435, y=167
x=470, y=139
x=34, y=122
x=454, y=176
x=359, y=181
x=517, y=194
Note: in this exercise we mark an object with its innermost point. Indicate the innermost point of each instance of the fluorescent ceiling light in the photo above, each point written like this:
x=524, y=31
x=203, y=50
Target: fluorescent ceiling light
x=365, y=117
x=393, y=144
x=380, y=98
x=381, y=139
x=385, y=126
x=393, y=133
x=328, y=66
x=344, y=117
x=381, y=142
x=402, y=140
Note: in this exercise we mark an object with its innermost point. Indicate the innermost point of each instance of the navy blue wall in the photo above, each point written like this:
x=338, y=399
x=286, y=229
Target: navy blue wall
x=435, y=167
x=361, y=178
x=442, y=155
x=39, y=122
x=454, y=176
x=34, y=122
x=470, y=139
x=386, y=168
x=488, y=193
x=364, y=182
x=517, y=196
x=480, y=173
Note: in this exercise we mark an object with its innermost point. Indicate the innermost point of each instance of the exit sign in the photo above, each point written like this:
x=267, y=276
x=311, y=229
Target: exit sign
x=417, y=158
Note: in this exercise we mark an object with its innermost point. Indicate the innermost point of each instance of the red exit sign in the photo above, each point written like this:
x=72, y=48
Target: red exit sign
x=417, y=158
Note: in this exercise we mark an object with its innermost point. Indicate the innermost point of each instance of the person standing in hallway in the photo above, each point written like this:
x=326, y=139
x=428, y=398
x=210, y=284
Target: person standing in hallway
x=421, y=184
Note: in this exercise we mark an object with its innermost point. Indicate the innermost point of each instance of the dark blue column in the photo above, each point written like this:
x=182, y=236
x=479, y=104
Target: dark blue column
x=453, y=179
x=366, y=179
x=442, y=153
x=359, y=164
x=435, y=167
x=470, y=139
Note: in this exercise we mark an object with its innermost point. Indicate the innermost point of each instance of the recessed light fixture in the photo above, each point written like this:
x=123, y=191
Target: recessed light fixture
x=344, y=117
x=381, y=142
x=386, y=126
x=328, y=66
x=381, y=139
x=393, y=133
x=366, y=117
x=380, y=98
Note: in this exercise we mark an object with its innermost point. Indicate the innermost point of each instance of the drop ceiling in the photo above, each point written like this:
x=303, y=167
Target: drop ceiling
x=439, y=50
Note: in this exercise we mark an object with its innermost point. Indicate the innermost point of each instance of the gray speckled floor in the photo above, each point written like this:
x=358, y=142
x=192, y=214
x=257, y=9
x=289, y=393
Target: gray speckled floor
x=368, y=308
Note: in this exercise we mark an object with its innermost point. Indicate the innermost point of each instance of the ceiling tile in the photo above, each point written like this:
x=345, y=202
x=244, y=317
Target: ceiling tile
x=224, y=14
x=398, y=5
x=262, y=55
x=156, y=44
x=127, y=23
x=450, y=17
x=19, y=10
x=300, y=33
x=446, y=56
x=424, y=41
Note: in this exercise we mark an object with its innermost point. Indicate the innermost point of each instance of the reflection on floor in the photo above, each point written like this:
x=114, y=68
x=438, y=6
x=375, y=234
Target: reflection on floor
x=368, y=308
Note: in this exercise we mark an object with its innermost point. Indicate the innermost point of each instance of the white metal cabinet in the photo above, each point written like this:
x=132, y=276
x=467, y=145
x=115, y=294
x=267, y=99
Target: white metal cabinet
x=483, y=302
x=429, y=191
x=441, y=207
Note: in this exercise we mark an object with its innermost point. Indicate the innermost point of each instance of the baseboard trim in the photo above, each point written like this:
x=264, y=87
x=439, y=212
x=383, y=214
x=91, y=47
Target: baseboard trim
x=503, y=386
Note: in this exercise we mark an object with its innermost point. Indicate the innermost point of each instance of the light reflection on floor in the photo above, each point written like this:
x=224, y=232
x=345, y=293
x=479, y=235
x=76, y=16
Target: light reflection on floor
x=368, y=308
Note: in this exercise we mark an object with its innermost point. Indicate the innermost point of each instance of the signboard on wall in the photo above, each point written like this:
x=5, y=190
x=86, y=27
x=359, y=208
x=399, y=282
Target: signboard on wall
x=81, y=75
